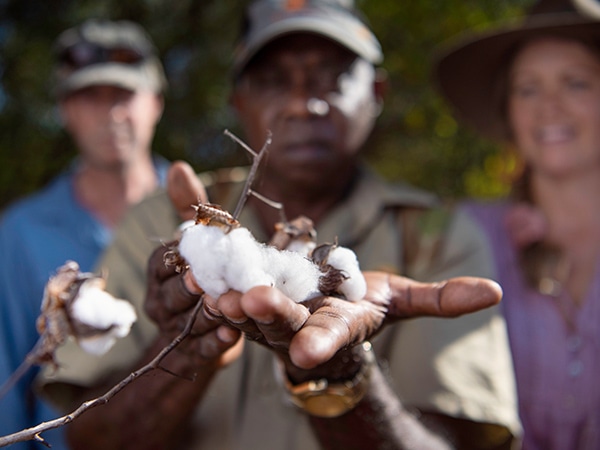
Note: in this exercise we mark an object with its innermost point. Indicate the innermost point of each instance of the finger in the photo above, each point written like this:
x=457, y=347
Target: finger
x=157, y=270
x=449, y=298
x=276, y=316
x=185, y=189
x=176, y=296
x=167, y=294
x=190, y=283
x=175, y=322
x=221, y=345
x=227, y=307
x=335, y=325
x=233, y=352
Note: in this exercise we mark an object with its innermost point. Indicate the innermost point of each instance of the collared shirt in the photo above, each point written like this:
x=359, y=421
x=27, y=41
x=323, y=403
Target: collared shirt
x=38, y=234
x=556, y=361
x=460, y=367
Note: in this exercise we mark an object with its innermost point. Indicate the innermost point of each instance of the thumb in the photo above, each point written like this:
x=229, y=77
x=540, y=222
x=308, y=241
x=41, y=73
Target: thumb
x=185, y=189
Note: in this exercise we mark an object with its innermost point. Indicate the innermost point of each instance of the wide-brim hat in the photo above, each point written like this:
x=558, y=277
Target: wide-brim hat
x=338, y=20
x=113, y=53
x=466, y=69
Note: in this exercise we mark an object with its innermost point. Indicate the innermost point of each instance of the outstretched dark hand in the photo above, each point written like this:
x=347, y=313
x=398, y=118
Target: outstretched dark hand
x=310, y=334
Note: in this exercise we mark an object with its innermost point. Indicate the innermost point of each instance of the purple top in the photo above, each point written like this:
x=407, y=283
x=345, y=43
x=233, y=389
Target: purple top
x=557, y=365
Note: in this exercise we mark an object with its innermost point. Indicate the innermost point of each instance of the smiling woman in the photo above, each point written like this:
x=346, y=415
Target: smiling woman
x=554, y=107
x=546, y=236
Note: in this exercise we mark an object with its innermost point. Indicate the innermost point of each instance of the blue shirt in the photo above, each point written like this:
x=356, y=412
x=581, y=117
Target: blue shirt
x=38, y=235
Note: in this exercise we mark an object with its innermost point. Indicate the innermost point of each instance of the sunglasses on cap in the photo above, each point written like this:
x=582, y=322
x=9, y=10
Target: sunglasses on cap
x=85, y=54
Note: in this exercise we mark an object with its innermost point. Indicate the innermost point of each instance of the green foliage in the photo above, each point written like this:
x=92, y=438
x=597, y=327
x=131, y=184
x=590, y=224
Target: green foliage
x=416, y=137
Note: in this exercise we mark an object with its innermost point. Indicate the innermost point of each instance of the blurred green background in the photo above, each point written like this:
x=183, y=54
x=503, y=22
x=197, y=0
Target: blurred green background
x=416, y=137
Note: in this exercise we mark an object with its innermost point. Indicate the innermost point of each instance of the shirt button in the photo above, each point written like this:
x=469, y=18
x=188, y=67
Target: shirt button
x=573, y=343
x=575, y=368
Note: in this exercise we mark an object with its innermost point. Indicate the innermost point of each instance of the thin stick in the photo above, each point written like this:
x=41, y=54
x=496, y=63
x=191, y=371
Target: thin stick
x=268, y=201
x=240, y=142
x=33, y=434
x=257, y=157
x=273, y=204
x=16, y=376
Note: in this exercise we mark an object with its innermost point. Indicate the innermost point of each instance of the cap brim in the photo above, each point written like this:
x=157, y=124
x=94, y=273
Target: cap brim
x=139, y=77
x=349, y=33
x=466, y=70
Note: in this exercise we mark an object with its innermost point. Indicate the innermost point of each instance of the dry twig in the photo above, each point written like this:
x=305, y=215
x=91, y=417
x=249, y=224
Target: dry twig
x=34, y=433
x=256, y=159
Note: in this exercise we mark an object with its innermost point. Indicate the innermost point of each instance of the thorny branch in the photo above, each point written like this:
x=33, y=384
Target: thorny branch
x=34, y=432
x=19, y=373
x=257, y=158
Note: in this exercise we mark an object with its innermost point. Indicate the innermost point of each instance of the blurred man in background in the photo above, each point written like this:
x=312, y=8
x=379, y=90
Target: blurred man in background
x=109, y=86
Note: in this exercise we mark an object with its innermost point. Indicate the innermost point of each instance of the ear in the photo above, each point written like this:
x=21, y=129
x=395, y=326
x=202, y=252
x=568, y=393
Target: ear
x=160, y=107
x=381, y=85
x=63, y=113
x=236, y=100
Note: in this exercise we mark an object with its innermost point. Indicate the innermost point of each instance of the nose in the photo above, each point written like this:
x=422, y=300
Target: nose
x=551, y=103
x=118, y=111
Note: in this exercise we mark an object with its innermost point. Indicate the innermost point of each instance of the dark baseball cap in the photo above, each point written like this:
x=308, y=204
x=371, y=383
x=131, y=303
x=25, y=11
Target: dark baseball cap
x=338, y=20
x=101, y=52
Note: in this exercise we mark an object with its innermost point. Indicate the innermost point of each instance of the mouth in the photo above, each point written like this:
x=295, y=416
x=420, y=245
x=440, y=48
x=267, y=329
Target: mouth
x=308, y=151
x=555, y=134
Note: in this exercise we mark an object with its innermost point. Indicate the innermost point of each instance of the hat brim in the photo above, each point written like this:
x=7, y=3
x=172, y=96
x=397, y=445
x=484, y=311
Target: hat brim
x=466, y=69
x=140, y=77
x=343, y=32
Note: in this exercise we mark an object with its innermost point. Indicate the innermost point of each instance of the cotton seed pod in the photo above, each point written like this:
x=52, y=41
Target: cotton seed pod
x=299, y=236
x=211, y=214
x=76, y=304
x=207, y=214
x=341, y=275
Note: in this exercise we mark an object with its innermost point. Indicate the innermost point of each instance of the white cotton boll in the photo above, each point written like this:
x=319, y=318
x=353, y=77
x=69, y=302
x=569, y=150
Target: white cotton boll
x=208, y=250
x=221, y=261
x=185, y=225
x=182, y=227
x=295, y=276
x=354, y=287
x=301, y=247
x=98, y=344
x=99, y=310
x=247, y=267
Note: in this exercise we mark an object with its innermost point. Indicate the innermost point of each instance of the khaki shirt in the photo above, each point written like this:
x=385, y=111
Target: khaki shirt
x=460, y=367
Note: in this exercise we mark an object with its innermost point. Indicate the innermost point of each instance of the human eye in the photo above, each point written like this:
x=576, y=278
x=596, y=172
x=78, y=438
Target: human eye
x=524, y=90
x=578, y=83
x=329, y=74
x=268, y=81
x=124, y=95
